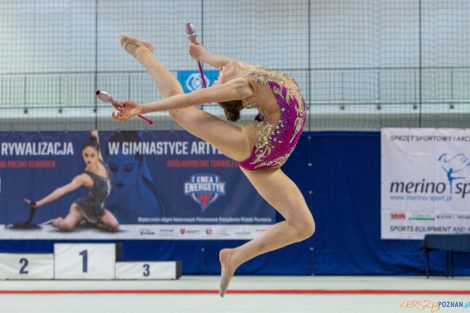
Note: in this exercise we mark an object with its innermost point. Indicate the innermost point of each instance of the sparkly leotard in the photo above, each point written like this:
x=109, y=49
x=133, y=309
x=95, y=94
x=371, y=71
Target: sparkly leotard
x=92, y=205
x=275, y=143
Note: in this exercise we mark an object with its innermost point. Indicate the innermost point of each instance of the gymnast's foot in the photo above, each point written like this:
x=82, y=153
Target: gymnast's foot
x=227, y=272
x=85, y=224
x=56, y=222
x=134, y=46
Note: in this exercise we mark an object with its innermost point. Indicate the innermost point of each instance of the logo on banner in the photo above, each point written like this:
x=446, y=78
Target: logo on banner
x=454, y=166
x=194, y=82
x=421, y=217
x=191, y=80
x=398, y=216
x=205, y=189
x=146, y=232
x=166, y=231
x=223, y=233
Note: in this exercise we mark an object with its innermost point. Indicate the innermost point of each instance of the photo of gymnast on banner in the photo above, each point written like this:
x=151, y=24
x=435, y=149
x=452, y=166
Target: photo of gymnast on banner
x=163, y=185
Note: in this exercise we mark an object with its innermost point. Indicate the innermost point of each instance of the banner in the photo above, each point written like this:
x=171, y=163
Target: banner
x=166, y=185
x=425, y=182
x=192, y=80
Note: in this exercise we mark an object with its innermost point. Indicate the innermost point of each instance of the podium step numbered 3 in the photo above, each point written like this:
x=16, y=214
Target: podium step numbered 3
x=147, y=270
x=83, y=261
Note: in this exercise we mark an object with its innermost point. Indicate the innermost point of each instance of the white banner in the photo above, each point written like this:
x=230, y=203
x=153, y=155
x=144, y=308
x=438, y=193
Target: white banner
x=425, y=182
x=152, y=232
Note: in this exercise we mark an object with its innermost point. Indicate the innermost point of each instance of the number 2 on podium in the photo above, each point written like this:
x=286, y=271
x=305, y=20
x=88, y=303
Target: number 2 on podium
x=25, y=262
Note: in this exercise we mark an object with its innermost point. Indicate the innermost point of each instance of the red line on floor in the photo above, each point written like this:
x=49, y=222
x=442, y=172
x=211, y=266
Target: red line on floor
x=242, y=291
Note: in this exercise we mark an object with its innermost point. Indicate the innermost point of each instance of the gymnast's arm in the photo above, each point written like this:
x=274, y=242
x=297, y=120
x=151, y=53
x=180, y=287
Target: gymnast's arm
x=235, y=89
x=95, y=134
x=77, y=181
x=197, y=52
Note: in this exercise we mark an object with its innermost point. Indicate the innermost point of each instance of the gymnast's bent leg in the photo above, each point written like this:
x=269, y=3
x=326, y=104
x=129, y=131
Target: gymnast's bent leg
x=108, y=222
x=284, y=195
x=70, y=221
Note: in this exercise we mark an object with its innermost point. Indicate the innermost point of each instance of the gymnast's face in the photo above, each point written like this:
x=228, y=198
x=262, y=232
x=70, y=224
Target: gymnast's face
x=229, y=71
x=90, y=156
x=125, y=170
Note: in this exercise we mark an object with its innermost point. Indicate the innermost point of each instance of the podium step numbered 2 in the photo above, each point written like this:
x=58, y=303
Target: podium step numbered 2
x=83, y=261
x=26, y=266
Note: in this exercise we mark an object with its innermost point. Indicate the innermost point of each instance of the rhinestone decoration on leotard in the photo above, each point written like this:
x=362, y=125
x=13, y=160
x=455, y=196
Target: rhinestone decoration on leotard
x=274, y=143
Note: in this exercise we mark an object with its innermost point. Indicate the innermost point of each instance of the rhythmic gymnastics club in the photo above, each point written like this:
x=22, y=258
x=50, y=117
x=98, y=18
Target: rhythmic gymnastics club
x=191, y=34
x=106, y=97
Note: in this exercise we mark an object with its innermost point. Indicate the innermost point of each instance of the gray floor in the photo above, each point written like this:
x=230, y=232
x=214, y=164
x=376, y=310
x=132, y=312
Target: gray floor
x=236, y=302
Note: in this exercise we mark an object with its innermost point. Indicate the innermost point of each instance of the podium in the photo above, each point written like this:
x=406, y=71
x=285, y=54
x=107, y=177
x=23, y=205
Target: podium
x=26, y=266
x=84, y=261
x=148, y=270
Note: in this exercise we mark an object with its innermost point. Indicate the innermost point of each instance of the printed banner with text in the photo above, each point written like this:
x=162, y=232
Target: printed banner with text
x=425, y=182
x=166, y=185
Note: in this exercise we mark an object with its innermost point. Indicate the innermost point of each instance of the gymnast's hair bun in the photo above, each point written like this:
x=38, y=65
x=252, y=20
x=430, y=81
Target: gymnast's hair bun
x=232, y=109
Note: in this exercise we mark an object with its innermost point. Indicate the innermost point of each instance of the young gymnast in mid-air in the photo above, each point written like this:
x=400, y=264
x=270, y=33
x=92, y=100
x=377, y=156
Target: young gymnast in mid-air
x=260, y=147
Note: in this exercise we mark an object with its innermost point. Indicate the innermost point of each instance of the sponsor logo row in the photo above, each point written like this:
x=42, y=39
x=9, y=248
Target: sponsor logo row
x=427, y=216
x=202, y=231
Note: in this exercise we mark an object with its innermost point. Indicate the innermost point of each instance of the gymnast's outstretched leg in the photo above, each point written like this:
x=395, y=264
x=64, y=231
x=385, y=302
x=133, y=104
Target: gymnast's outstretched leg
x=166, y=83
x=229, y=139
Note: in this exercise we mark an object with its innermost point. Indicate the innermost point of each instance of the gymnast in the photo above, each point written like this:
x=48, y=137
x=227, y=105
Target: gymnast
x=89, y=210
x=261, y=147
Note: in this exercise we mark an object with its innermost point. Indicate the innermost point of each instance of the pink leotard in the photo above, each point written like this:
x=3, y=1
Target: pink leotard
x=275, y=143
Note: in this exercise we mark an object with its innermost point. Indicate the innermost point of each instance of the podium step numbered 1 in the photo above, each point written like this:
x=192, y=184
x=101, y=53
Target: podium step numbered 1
x=83, y=261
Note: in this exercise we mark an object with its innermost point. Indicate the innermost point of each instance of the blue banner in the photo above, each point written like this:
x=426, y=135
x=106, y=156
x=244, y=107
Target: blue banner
x=191, y=80
x=166, y=184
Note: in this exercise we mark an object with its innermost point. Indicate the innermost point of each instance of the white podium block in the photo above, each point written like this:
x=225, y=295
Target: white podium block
x=148, y=270
x=84, y=261
x=26, y=266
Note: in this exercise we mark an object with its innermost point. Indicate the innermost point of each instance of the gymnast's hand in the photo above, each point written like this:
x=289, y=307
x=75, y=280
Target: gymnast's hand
x=32, y=204
x=196, y=51
x=127, y=110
